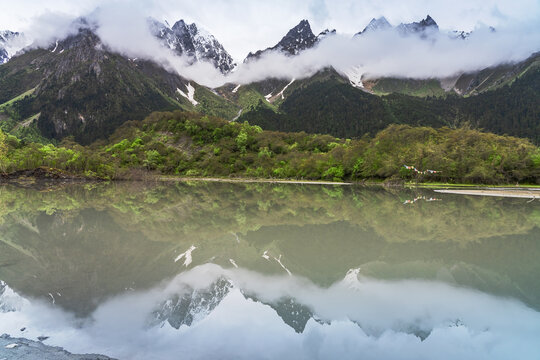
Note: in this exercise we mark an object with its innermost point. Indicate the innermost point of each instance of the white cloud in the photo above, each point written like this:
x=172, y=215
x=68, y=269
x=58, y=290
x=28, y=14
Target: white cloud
x=246, y=25
x=122, y=25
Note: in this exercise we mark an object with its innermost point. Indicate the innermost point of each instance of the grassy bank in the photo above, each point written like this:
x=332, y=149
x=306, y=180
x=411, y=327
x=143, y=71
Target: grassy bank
x=189, y=145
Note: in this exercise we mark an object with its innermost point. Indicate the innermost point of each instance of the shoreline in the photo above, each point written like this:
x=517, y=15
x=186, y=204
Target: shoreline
x=503, y=192
x=51, y=175
x=248, y=180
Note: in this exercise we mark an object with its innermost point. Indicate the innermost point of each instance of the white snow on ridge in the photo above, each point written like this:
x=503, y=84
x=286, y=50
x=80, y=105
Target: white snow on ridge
x=285, y=88
x=190, y=94
x=355, y=76
x=268, y=97
x=55, y=47
x=188, y=258
x=233, y=262
x=236, y=89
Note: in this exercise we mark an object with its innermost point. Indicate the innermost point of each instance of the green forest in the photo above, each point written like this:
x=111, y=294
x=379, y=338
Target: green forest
x=330, y=105
x=189, y=144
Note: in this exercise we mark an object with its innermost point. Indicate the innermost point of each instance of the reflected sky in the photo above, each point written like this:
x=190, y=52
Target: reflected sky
x=261, y=271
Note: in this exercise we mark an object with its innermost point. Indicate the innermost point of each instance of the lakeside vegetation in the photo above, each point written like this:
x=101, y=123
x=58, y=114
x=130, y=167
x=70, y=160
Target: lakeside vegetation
x=192, y=145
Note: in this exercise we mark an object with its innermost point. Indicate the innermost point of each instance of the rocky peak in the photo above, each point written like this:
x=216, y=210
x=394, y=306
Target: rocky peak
x=326, y=33
x=299, y=38
x=376, y=24
x=191, y=41
x=422, y=28
x=428, y=21
x=460, y=34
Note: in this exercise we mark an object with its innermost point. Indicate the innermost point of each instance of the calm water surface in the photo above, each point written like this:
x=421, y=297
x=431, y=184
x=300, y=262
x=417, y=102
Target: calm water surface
x=248, y=271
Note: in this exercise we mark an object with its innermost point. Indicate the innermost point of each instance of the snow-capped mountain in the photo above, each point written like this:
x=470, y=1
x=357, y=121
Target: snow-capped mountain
x=460, y=34
x=376, y=24
x=196, y=304
x=10, y=43
x=193, y=306
x=325, y=34
x=422, y=28
x=193, y=41
x=299, y=38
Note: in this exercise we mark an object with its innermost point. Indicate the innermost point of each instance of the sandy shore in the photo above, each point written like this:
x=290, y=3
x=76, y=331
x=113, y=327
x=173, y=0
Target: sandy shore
x=271, y=181
x=511, y=193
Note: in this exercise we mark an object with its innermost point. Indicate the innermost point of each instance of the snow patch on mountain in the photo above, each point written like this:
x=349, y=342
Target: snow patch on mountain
x=285, y=88
x=354, y=74
x=190, y=96
x=187, y=254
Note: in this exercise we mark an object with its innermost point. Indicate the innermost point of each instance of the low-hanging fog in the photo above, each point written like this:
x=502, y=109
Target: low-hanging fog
x=124, y=29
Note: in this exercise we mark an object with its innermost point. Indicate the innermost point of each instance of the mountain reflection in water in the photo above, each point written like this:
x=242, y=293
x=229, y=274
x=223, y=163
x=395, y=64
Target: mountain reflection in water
x=93, y=267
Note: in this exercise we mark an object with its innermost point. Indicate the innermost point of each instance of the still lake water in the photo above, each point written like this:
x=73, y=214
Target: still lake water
x=249, y=271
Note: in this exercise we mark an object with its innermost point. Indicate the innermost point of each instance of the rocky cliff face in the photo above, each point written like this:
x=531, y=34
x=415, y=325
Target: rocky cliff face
x=423, y=28
x=191, y=41
x=299, y=38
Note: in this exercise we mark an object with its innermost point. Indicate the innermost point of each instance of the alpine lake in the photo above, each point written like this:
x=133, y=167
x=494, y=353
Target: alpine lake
x=209, y=270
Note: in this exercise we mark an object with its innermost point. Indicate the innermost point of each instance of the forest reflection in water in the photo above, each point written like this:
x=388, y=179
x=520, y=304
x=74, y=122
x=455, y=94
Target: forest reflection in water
x=194, y=259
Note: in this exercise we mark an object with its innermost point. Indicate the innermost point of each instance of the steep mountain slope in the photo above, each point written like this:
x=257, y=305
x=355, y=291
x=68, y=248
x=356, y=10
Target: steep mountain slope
x=194, y=42
x=299, y=38
x=466, y=84
x=328, y=104
x=375, y=25
x=80, y=88
x=423, y=28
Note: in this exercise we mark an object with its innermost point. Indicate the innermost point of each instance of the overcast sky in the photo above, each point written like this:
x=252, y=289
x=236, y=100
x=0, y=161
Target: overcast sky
x=247, y=25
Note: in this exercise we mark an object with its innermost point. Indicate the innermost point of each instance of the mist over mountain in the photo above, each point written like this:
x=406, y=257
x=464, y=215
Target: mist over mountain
x=417, y=50
x=10, y=43
x=191, y=41
x=85, y=77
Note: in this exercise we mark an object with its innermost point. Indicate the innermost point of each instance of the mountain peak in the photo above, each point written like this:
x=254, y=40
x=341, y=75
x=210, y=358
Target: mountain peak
x=422, y=27
x=428, y=21
x=194, y=42
x=377, y=24
x=326, y=33
x=299, y=38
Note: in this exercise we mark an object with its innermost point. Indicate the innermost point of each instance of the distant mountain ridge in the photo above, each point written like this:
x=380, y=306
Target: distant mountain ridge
x=194, y=42
x=299, y=38
x=78, y=87
x=10, y=43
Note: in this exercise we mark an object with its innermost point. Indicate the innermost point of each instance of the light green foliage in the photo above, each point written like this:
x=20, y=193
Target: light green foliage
x=3, y=150
x=241, y=141
x=334, y=173
x=153, y=159
x=190, y=144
